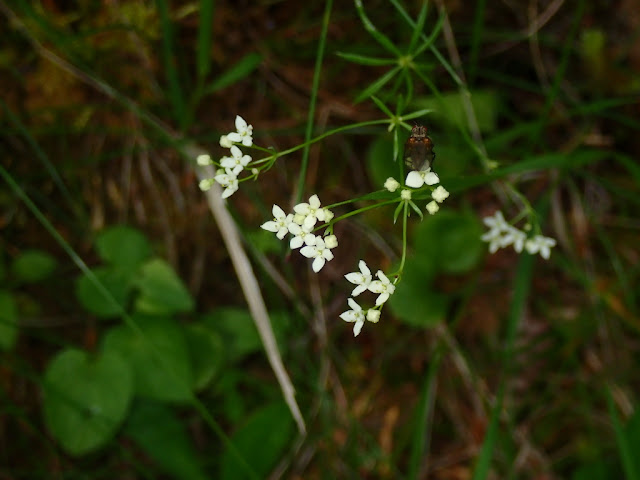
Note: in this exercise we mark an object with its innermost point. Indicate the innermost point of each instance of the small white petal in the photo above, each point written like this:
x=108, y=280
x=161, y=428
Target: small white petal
x=414, y=180
x=241, y=124
x=270, y=226
x=357, y=327
x=431, y=178
x=317, y=264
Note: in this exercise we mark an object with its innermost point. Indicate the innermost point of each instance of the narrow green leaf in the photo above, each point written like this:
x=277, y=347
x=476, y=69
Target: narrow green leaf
x=8, y=320
x=377, y=85
x=417, y=30
x=626, y=451
x=205, y=28
x=374, y=32
x=169, y=59
x=364, y=60
x=237, y=72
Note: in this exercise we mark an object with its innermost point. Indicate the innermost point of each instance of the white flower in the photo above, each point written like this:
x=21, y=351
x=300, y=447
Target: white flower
x=319, y=252
x=229, y=180
x=440, y=194
x=391, y=184
x=243, y=133
x=424, y=177
x=432, y=207
x=203, y=160
x=225, y=142
x=405, y=194
x=361, y=279
x=497, y=222
x=311, y=211
x=355, y=316
x=494, y=237
x=383, y=286
x=515, y=237
x=236, y=159
x=301, y=235
x=540, y=244
x=280, y=223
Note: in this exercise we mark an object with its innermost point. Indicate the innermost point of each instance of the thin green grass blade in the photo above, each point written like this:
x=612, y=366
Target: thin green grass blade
x=377, y=35
x=237, y=72
x=48, y=166
x=424, y=411
x=314, y=95
x=168, y=49
x=476, y=40
x=205, y=30
x=417, y=30
x=524, y=274
x=377, y=85
x=382, y=106
x=625, y=450
x=561, y=70
x=365, y=60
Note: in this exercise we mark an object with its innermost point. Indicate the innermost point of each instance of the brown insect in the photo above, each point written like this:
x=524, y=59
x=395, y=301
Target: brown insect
x=418, y=149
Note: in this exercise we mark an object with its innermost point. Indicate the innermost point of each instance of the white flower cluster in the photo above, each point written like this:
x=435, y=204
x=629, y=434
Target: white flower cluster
x=233, y=165
x=417, y=179
x=300, y=225
x=364, y=281
x=503, y=234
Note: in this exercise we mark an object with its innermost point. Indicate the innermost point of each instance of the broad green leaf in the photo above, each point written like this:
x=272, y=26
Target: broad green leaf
x=8, y=320
x=206, y=351
x=33, y=265
x=449, y=109
x=123, y=246
x=451, y=240
x=161, y=290
x=157, y=355
x=380, y=164
x=415, y=301
x=261, y=442
x=155, y=428
x=118, y=282
x=239, y=333
x=86, y=398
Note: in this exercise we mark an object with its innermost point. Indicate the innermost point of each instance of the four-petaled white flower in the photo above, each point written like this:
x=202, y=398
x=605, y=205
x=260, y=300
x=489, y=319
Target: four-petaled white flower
x=280, y=223
x=515, y=237
x=311, y=211
x=383, y=286
x=243, y=133
x=416, y=179
x=440, y=194
x=319, y=252
x=503, y=234
x=229, y=180
x=301, y=235
x=361, y=279
x=236, y=159
x=540, y=244
x=355, y=316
